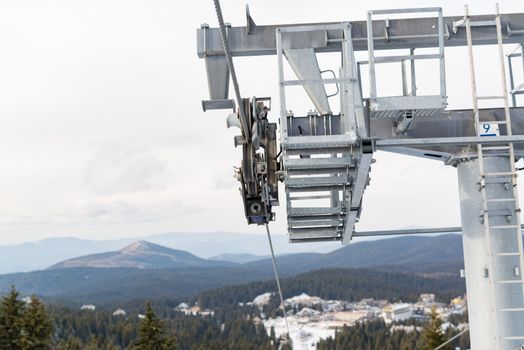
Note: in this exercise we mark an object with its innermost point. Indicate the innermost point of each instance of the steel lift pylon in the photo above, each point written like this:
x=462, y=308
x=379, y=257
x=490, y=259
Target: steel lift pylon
x=500, y=217
x=326, y=153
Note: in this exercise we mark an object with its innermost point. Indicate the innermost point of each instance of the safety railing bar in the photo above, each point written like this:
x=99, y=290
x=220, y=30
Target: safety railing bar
x=388, y=59
x=314, y=81
x=406, y=10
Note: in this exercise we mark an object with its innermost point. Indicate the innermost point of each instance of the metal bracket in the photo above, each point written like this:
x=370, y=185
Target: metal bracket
x=218, y=104
x=250, y=24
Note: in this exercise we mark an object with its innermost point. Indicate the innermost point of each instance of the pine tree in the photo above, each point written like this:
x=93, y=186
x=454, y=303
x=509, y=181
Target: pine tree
x=37, y=327
x=152, y=335
x=432, y=333
x=72, y=343
x=11, y=310
x=272, y=335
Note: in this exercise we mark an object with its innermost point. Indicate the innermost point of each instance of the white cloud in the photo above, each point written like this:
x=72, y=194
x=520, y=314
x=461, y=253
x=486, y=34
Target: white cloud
x=122, y=169
x=225, y=180
x=118, y=211
x=124, y=76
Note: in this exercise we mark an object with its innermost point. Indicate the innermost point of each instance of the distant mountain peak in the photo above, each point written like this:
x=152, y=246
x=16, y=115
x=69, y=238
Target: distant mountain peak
x=138, y=246
x=141, y=254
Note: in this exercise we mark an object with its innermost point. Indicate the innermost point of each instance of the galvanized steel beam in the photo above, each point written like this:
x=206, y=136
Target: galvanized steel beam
x=402, y=34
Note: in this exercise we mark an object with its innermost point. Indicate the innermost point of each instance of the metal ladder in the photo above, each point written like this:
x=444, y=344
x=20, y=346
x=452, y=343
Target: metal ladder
x=500, y=215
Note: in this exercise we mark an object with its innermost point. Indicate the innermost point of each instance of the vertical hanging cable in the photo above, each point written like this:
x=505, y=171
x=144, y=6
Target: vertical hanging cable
x=246, y=133
x=273, y=260
x=229, y=60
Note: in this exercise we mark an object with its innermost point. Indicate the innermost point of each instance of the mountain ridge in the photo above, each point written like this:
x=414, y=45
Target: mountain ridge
x=38, y=255
x=88, y=284
x=238, y=258
x=408, y=252
x=140, y=254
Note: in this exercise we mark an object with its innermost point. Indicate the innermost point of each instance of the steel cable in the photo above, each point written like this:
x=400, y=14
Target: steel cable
x=229, y=60
x=273, y=260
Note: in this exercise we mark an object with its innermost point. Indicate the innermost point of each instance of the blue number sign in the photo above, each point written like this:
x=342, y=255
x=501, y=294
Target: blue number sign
x=488, y=129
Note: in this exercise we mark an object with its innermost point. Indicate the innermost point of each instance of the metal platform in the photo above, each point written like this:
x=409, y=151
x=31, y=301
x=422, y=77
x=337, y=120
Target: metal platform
x=409, y=105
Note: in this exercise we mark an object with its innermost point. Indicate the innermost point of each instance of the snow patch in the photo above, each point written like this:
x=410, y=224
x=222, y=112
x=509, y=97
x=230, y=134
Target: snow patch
x=262, y=299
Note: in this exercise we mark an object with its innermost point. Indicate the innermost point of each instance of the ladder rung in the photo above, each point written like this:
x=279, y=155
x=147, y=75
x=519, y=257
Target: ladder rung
x=493, y=122
x=500, y=227
x=331, y=238
x=494, y=148
x=318, y=163
x=508, y=254
x=308, y=182
x=513, y=309
x=520, y=337
x=501, y=200
x=316, y=231
x=490, y=97
x=302, y=144
x=293, y=223
x=509, y=281
x=299, y=198
x=309, y=166
x=388, y=59
x=501, y=174
x=482, y=23
x=498, y=212
x=298, y=212
x=496, y=180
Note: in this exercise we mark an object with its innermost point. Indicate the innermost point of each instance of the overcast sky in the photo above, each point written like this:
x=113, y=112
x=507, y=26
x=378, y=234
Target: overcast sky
x=102, y=134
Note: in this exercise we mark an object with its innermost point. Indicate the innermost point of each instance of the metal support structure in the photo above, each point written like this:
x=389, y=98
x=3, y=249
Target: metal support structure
x=514, y=88
x=326, y=172
x=500, y=274
x=326, y=156
x=405, y=33
x=495, y=305
x=383, y=233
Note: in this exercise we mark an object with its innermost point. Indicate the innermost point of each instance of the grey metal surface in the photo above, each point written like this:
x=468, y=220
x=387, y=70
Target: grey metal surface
x=452, y=141
x=217, y=77
x=218, y=104
x=305, y=65
x=327, y=165
x=393, y=107
x=446, y=133
x=405, y=33
x=488, y=324
x=516, y=84
x=499, y=216
x=413, y=231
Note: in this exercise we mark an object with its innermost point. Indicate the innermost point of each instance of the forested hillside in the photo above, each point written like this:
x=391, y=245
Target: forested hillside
x=107, y=286
x=377, y=335
x=429, y=255
x=121, y=285
x=95, y=330
x=341, y=284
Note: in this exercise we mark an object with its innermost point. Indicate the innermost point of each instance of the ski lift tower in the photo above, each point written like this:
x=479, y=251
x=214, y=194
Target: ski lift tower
x=326, y=154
